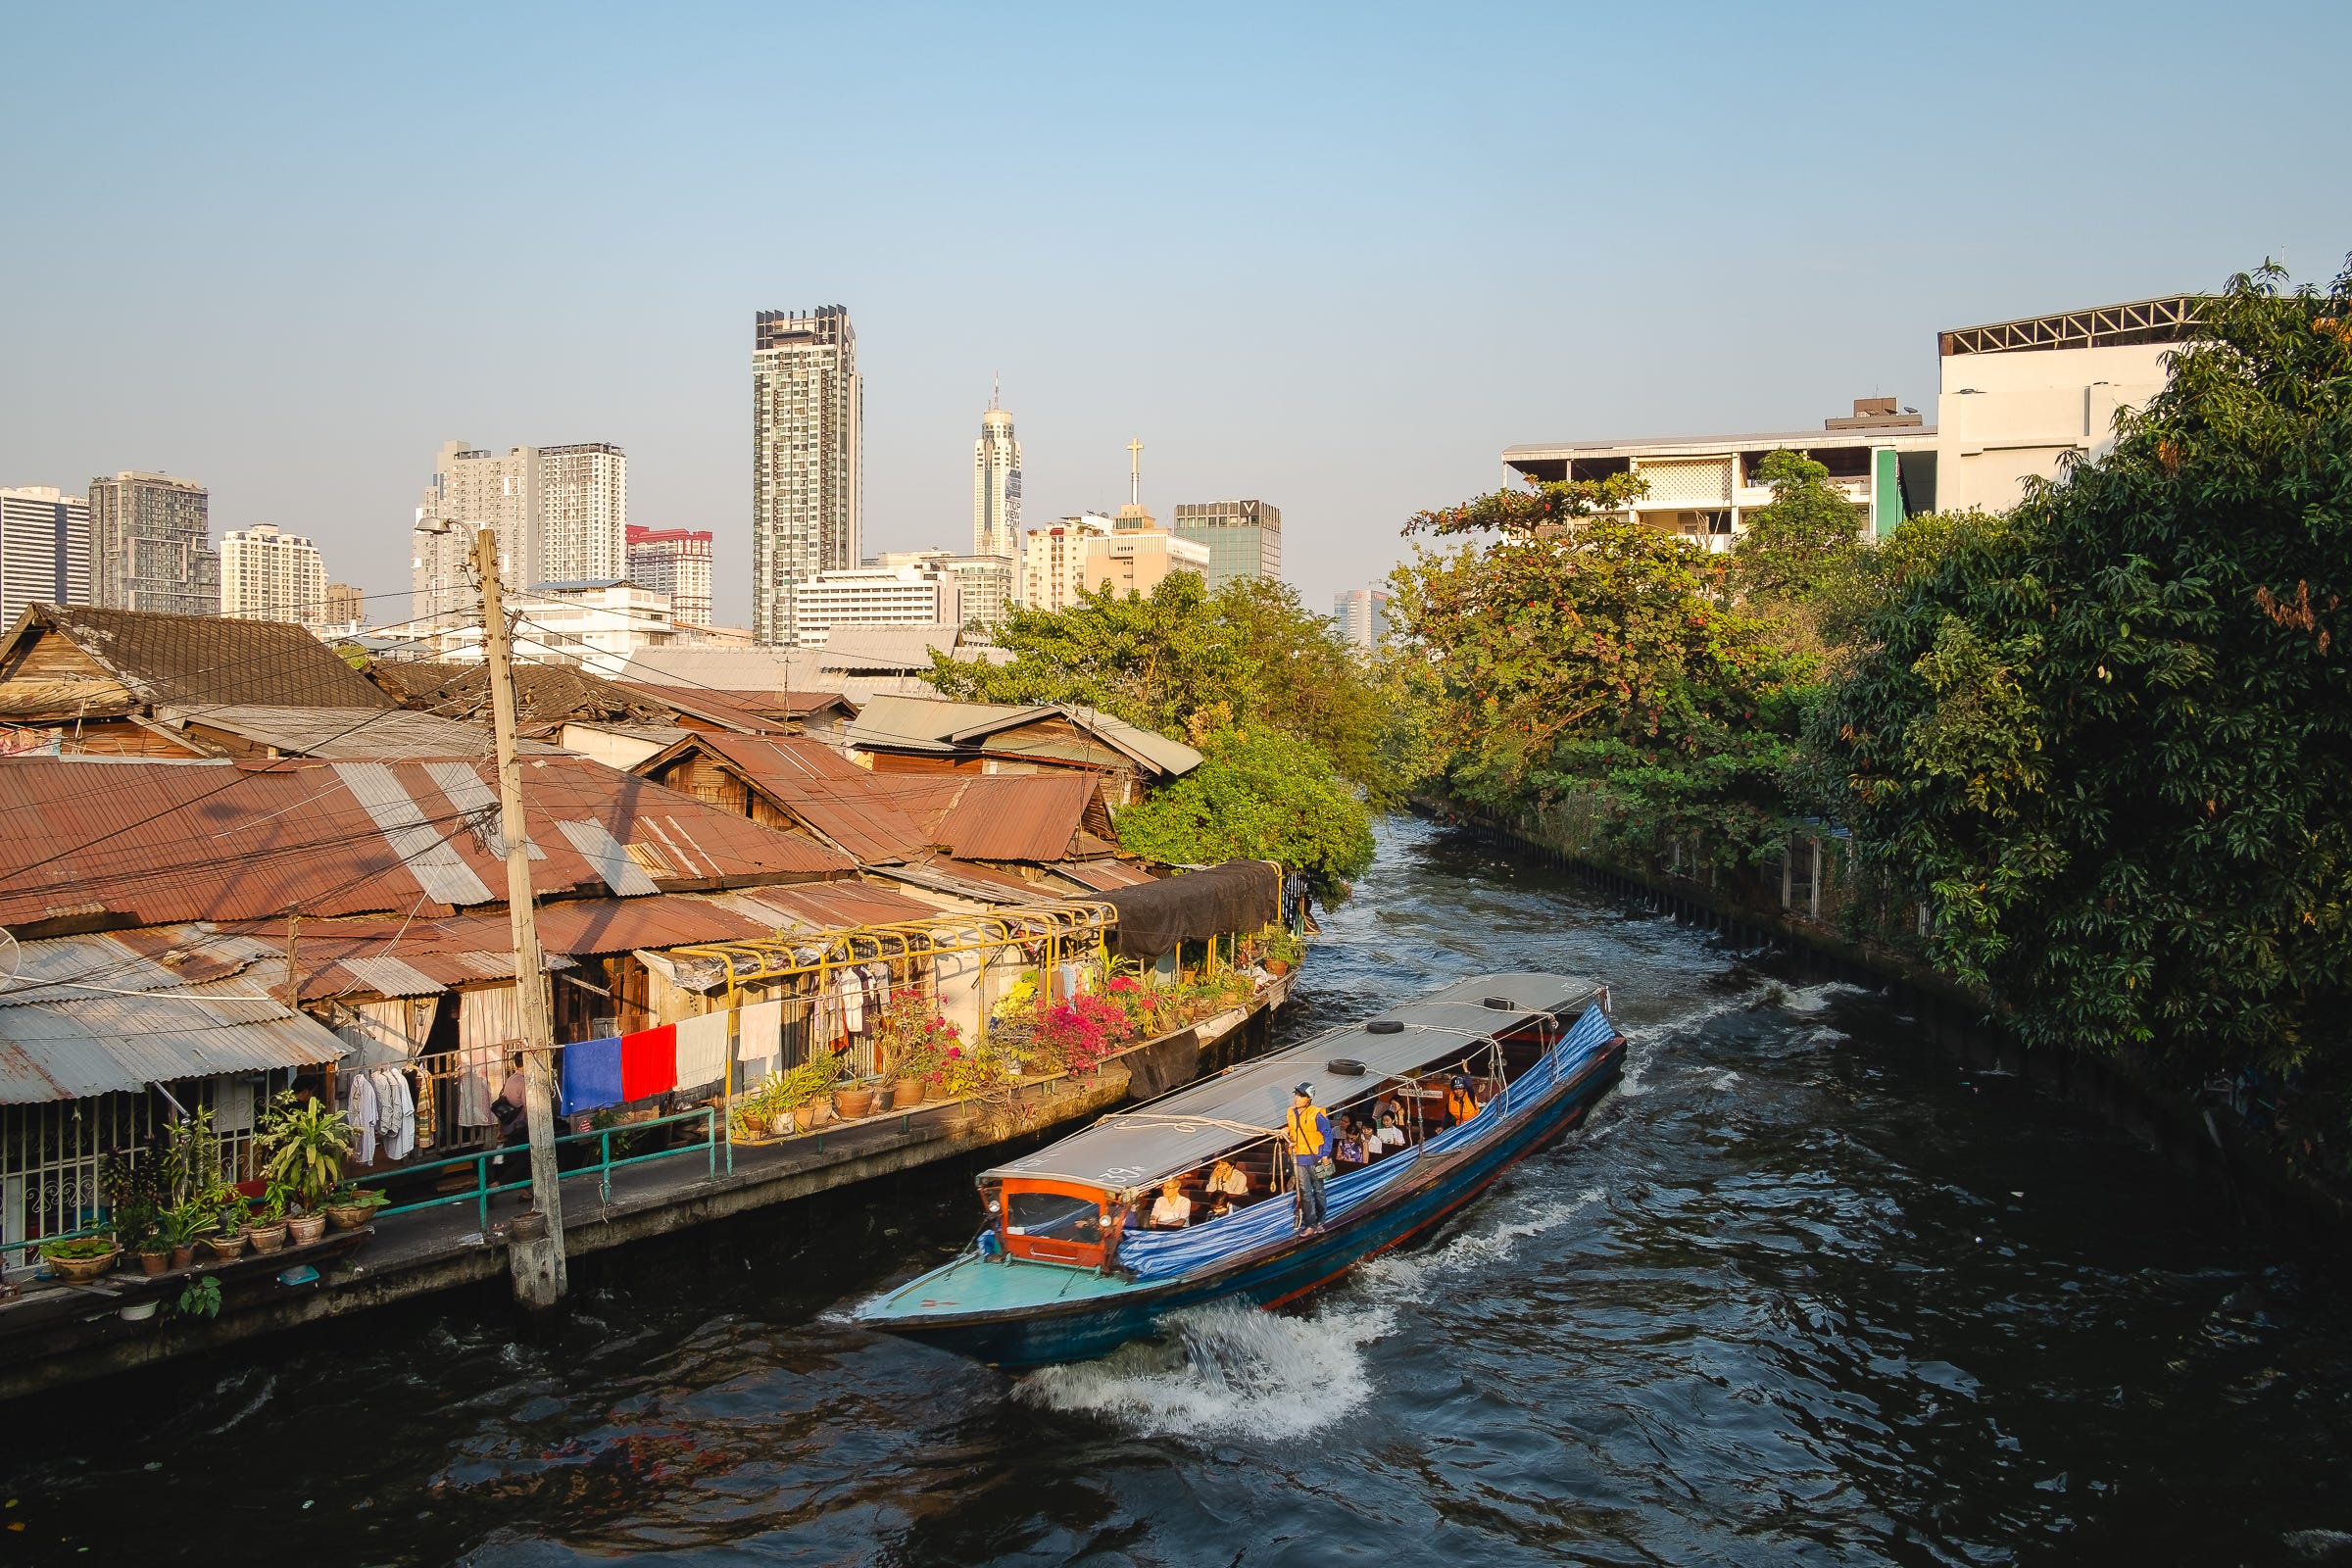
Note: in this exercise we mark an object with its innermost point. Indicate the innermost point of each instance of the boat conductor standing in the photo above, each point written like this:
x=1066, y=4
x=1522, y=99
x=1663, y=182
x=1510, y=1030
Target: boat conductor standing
x=1310, y=1150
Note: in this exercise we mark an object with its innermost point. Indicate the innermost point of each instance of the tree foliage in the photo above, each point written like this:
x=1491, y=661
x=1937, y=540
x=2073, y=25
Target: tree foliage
x=1256, y=795
x=1808, y=538
x=2108, y=738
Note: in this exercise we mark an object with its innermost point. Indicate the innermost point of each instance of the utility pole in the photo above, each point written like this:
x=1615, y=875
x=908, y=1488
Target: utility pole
x=535, y=1240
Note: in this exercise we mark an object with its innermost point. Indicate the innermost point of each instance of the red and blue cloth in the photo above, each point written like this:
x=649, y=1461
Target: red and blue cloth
x=613, y=1071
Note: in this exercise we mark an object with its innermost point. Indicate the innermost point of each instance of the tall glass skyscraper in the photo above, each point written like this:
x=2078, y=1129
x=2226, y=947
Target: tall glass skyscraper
x=1243, y=538
x=807, y=460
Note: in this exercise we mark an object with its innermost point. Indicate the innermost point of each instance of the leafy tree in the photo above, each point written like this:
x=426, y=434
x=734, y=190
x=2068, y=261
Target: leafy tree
x=2108, y=739
x=1256, y=795
x=1804, y=541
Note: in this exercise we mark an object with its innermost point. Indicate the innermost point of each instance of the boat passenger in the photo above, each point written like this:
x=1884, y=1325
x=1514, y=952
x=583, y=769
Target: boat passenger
x=1228, y=1179
x=1392, y=1133
x=1309, y=1132
x=1172, y=1211
x=1349, y=1151
x=1460, y=1104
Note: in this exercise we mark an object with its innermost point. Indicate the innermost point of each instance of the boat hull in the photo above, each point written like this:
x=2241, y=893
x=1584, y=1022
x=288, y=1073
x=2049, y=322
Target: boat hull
x=1084, y=1330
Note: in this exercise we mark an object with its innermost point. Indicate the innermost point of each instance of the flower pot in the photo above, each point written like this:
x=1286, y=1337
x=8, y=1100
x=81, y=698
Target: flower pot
x=154, y=1262
x=908, y=1092
x=183, y=1254
x=1278, y=967
x=76, y=1270
x=783, y=1125
x=349, y=1217
x=804, y=1116
x=307, y=1227
x=268, y=1238
x=225, y=1248
x=854, y=1102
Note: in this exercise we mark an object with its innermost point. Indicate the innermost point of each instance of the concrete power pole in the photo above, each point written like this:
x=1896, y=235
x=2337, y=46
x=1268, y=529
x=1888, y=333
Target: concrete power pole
x=534, y=1240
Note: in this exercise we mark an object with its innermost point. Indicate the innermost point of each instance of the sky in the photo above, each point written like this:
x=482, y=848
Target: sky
x=1333, y=258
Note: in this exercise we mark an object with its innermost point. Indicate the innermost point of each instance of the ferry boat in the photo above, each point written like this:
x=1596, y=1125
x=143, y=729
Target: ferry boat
x=1479, y=1075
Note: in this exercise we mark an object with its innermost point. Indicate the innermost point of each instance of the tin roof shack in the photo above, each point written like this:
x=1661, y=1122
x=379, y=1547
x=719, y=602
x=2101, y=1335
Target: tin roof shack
x=78, y=678
x=931, y=735
x=617, y=723
x=794, y=784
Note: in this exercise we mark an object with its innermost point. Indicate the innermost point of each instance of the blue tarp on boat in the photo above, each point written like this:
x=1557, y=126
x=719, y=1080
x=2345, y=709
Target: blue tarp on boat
x=1164, y=1254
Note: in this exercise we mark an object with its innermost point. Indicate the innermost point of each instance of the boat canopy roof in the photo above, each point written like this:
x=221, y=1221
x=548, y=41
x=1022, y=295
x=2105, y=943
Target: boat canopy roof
x=1187, y=1127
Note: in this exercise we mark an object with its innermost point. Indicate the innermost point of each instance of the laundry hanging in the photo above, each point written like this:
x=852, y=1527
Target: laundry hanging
x=592, y=1078
x=649, y=1063
x=489, y=1023
x=759, y=1042
x=702, y=1050
x=360, y=1113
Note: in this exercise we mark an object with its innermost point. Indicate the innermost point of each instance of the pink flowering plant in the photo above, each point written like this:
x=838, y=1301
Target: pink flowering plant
x=913, y=1040
x=1075, y=1035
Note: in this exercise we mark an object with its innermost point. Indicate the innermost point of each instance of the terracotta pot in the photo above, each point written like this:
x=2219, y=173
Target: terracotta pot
x=351, y=1218
x=804, y=1116
x=266, y=1237
x=854, y=1102
x=1278, y=967
x=154, y=1262
x=183, y=1254
x=225, y=1248
x=79, y=1269
x=307, y=1227
x=908, y=1092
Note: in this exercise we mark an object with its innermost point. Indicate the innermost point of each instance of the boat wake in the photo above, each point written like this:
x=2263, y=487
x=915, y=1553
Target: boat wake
x=1409, y=1276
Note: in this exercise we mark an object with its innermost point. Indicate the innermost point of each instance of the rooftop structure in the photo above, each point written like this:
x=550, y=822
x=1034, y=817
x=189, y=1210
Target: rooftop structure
x=918, y=735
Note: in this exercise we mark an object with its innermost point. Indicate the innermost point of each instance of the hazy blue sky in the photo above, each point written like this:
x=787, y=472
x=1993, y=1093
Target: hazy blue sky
x=1334, y=257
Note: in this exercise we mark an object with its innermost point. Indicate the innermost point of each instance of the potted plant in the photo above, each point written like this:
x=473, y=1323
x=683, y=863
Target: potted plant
x=805, y=1087
x=182, y=1225
x=347, y=1207
x=82, y=1258
x=305, y=1142
x=267, y=1227
x=1284, y=953
x=851, y=1100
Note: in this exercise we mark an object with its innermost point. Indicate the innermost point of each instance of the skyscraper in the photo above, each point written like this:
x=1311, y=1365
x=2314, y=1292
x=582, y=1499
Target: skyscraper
x=583, y=514
x=562, y=515
x=807, y=460
x=1363, y=615
x=268, y=575
x=1243, y=538
x=996, y=485
x=675, y=562
x=44, y=548
x=151, y=545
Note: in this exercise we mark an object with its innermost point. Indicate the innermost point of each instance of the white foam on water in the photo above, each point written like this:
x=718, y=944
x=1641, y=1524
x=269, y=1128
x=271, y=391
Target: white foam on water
x=1813, y=998
x=1403, y=1276
x=1225, y=1370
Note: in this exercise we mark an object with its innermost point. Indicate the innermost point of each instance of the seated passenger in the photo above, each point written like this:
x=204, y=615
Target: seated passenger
x=1350, y=1150
x=1460, y=1104
x=1228, y=1179
x=1392, y=1131
x=1171, y=1210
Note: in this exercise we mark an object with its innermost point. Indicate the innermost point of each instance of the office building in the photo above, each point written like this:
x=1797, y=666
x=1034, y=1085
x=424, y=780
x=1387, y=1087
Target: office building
x=807, y=460
x=270, y=575
x=984, y=584
x=1139, y=560
x=1243, y=538
x=675, y=562
x=1053, y=560
x=561, y=514
x=995, y=487
x=151, y=547
x=914, y=593
x=44, y=548
x=1363, y=615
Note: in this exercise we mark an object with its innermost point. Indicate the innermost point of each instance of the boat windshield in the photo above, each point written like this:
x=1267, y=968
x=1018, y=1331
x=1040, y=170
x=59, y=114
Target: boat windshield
x=1054, y=1216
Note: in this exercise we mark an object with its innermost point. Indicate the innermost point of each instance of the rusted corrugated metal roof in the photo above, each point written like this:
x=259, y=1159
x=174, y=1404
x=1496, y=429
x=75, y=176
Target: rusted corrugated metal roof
x=1102, y=875
x=814, y=785
x=724, y=708
x=232, y=841
x=1016, y=817
x=352, y=732
x=826, y=906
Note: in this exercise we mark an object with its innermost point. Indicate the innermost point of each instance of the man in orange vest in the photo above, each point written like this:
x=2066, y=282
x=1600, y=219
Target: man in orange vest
x=1310, y=1134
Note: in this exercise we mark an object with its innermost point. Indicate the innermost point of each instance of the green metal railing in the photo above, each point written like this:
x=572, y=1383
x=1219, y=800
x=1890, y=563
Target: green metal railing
x=484, y=1189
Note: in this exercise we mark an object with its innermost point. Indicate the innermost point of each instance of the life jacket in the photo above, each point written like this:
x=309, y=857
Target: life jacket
x=1306, y=1132
x=1460, y=1104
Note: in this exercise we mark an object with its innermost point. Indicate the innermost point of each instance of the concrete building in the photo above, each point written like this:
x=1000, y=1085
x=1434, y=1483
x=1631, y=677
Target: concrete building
x=1053, y=560
x=1139, y=560
x=2015, y=397
x=151, y=545
x=44, y=548
x=996, y=485
x=592, y=625
x=675, y=562
x=270, y=575
x=807, y=460
x=984, y=584
x=1363, y=615
x=561, y=514
x=905, y=594
x=345, y=605
x=1243, y=538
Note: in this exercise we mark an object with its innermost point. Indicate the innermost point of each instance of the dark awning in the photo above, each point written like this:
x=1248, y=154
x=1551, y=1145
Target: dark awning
x=1238, y=896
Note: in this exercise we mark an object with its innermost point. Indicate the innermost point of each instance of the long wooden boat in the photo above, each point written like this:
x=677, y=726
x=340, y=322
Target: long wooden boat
x=1066, y=1270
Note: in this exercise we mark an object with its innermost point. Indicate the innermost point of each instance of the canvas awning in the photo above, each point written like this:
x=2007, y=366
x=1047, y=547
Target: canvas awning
x=1238, y=896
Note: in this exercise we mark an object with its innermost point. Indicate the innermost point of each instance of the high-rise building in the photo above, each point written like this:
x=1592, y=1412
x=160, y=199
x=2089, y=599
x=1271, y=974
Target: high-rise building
x=1053, y=560
x=996, y=485
x=807, y=460
x=44, y=548
x=1243, y=538
x=675, y=562
x=345, y=605
x=151, y=547
x=270, y=575
x=583, y=514
x=1363, y=615
x=1139, y=560
x=908, y=594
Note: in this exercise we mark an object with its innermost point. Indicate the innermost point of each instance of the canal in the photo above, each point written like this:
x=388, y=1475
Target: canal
x=1806, y=1289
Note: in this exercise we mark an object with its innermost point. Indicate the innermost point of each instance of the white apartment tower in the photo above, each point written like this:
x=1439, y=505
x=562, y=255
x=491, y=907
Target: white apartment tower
x=583, y=522
x=1053, y=560
x=675, y=562
x=807, y=460
x=44, y=548
x=268, y=575
x=151, y=545
x=562, y=515
x=995, y=487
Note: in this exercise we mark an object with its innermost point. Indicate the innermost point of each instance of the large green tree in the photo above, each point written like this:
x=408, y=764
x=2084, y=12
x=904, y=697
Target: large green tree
x=1262, y=795
x=2107, y=739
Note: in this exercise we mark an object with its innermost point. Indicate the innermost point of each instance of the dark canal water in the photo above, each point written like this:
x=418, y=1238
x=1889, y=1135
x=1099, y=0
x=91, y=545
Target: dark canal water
x=1806, y=1290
